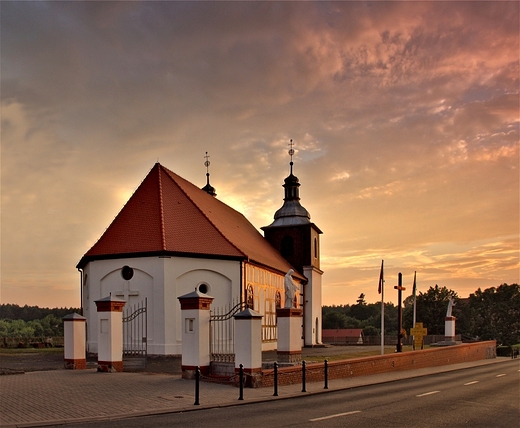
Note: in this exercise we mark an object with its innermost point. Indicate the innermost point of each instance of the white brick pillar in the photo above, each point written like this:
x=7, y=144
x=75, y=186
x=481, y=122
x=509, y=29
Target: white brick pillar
x=74, y=336
x=110, y=334
x=248, y=345
x=195, y=318
x=289, y=322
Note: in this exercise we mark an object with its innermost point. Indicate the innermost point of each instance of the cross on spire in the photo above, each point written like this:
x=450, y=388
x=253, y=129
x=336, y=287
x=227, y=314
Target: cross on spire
x=291, y=152
x=207, y=163
x=208, y=188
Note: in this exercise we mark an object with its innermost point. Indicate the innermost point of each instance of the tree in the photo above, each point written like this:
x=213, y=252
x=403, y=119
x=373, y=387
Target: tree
x=334, y=320
x=362, y=311
x=361, y=299
x=431, y=308
x=495, y=313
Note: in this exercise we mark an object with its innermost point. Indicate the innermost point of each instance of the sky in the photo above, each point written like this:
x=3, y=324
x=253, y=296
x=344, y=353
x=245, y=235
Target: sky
x=404, y=116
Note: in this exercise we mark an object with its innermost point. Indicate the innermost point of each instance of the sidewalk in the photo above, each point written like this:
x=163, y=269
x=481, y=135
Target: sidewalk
x=60, y=396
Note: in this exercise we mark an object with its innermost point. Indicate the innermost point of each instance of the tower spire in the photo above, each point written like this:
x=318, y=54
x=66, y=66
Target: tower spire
x=291, y=153
x=208, y=188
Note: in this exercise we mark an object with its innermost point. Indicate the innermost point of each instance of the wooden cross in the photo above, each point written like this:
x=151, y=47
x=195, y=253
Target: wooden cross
x=418, y=333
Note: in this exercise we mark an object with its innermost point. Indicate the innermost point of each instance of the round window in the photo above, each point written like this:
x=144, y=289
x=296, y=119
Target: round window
x=127, y=273
x=203, y=288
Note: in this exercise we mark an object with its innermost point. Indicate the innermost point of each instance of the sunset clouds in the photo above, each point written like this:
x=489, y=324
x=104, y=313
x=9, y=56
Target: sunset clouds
x=404, y=115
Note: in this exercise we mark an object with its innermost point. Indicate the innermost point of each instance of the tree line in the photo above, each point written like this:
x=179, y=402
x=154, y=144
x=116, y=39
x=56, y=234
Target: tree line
x=32, y=321
x=492, y=314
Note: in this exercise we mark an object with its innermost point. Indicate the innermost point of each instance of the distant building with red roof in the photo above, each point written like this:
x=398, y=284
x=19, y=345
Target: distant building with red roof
x=343, y=336
x=172, y=237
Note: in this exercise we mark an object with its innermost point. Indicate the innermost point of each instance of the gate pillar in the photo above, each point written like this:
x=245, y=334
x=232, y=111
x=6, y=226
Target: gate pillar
x=195, y=318
x=110, y=334
x=248, y=345
x=74, y=336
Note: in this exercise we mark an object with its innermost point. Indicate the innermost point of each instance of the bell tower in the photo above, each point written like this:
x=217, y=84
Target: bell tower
x=298, y=240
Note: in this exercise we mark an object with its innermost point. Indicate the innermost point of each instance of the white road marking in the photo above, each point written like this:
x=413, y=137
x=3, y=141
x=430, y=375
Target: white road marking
x=334, y=416
x=427, y=393
x=500, y=375
x=471, y=383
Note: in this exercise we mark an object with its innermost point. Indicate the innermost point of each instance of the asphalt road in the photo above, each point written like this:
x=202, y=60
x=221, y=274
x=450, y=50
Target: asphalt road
x=485, y=396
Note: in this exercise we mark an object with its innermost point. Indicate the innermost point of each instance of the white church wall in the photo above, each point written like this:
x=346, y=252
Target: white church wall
x=163, y=279
x=184, y=275
x=103, y=277
x=312, y=310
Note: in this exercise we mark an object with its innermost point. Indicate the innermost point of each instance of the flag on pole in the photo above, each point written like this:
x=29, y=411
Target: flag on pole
x=414, y=299
x=414, y=288
x=381, y=291
x=381, y=279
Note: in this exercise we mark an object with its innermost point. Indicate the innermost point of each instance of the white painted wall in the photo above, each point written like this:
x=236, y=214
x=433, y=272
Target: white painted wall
x=161, y=280
x=312, y=306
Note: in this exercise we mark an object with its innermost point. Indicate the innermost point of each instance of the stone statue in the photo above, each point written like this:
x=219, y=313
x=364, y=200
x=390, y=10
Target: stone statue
x=290, y=289
x=450, y=307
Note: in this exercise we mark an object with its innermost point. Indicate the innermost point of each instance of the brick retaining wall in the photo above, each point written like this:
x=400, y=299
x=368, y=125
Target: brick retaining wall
x=384, y=363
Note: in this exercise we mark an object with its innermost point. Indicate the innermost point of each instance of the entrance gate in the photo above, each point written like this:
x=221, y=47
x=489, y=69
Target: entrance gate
x=135, y=336
x=222, y=333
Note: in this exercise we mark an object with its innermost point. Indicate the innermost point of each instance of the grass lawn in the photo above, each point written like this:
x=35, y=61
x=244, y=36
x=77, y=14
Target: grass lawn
x=17, y=351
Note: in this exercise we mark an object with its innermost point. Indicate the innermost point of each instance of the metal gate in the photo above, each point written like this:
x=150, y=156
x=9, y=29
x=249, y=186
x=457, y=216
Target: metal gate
x=135, y=336
x=222, y=332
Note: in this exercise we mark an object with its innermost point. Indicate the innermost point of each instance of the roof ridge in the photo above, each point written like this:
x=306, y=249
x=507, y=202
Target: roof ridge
x=169, y=173
x=161, y=207
x=118, y=213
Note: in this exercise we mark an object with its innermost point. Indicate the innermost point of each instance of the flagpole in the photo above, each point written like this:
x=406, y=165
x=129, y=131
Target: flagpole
x=414, y=299
x=414, y=304
x=382, y=291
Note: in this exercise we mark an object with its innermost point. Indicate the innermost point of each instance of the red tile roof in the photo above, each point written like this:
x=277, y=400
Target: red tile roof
x=169, y=215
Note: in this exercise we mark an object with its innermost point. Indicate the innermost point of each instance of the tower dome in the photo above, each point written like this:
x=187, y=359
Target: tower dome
x=292, y=213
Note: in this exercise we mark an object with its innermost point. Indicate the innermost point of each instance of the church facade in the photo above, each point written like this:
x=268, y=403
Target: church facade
x=172, y=238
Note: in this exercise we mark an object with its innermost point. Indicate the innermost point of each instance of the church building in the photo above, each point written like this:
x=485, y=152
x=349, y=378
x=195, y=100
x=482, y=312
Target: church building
x=172, y=238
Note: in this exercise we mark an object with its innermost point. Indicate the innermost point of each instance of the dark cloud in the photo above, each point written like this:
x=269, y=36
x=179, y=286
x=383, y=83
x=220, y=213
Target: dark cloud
x=404, y=114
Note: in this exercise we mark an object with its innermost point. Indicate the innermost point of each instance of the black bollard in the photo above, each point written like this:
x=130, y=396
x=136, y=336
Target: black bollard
x=304, y=389
x=275, y=379
x=197, y=379
x=326, y=374
x=241, y=382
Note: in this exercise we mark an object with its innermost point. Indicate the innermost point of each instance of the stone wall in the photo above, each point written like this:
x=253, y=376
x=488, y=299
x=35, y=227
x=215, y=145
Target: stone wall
x=384, y=363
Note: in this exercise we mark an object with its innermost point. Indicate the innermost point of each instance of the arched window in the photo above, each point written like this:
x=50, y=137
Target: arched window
x=250, y=301
x=315, y=248
x=287, y=245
